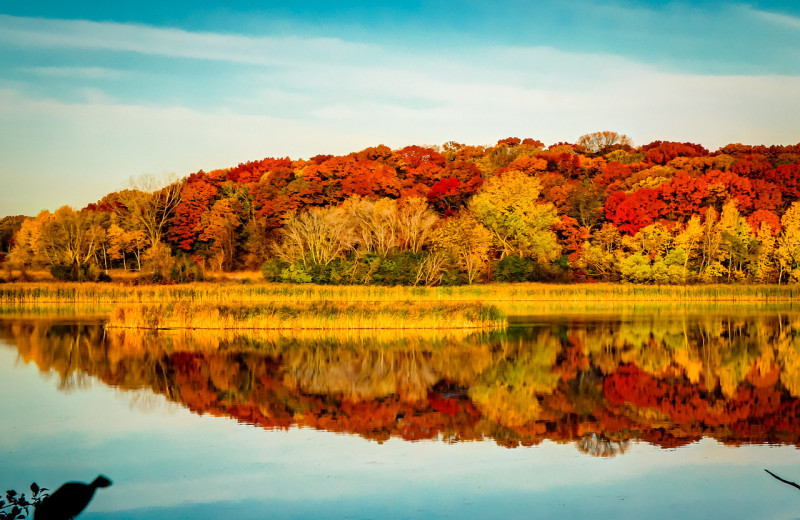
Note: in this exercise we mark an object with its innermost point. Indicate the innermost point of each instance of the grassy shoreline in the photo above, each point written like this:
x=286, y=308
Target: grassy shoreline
x=237, y=306
x=297, y=316
x=97, y=293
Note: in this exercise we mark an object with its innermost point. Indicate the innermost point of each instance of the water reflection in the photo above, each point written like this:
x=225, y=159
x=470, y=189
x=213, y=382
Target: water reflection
x=598, y=383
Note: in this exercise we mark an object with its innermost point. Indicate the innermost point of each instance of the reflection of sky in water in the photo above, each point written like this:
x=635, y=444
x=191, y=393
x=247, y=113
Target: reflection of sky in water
x=168, y=463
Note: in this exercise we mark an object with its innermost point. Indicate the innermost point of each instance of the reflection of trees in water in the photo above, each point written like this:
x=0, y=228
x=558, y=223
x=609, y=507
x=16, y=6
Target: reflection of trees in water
x=148, y=401
x=598, y=445
x=357, y=375
x=59, y=348
x=717, y=351
x=508, y=391
x=597, y=382
x=585, y=392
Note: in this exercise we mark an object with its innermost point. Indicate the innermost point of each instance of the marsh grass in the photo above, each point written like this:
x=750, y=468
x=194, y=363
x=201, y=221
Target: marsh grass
x=220, y=293
x=521, y=311
x=43, y=309
x=238, y=306
x=314, y=315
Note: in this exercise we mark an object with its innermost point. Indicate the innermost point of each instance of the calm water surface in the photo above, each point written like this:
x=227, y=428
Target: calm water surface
x=671, y=414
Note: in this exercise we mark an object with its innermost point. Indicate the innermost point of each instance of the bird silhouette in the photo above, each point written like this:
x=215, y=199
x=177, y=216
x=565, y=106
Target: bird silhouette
x=69, y=500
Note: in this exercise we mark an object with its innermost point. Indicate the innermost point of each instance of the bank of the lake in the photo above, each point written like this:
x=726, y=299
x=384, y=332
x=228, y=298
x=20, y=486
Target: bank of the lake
x=314, y=315
x=231, y=292
x=239, y=306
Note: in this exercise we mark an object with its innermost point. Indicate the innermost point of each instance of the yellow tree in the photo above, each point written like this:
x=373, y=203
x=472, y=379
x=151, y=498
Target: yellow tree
x=763, y=266
x=788, y=243
x=150, y=203
x=72, y=237
x=27, y=250
x=648, y=260
x=653, y=240
x=737, y=238
x=123, y=240
x=688, y=240
x=466, y=241
x=602, y=253
x=127, y=238
x=65, y=238
x=507, y=206
x=711, y=268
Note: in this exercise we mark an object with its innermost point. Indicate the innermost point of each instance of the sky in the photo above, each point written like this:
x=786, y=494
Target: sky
x=95, y=93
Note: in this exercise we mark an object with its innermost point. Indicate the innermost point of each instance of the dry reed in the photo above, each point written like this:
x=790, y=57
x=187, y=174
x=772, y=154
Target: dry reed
x=229, y=293
x=315, y=315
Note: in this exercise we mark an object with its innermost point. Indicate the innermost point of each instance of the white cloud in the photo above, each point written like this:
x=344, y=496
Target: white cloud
x=79, y=72
x=336, y=97
x=82, y=34
x=785, y=20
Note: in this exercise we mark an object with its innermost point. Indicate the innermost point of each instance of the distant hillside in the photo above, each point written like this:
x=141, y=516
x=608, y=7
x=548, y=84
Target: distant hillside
x=665, y=212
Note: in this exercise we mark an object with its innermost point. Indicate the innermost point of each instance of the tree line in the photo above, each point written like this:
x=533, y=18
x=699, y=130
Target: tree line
x=598, y=209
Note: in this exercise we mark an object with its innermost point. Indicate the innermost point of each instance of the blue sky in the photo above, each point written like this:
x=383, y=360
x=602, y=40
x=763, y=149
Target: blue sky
x=96, y=92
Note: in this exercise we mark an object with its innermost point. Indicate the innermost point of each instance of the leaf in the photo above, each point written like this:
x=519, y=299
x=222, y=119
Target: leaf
x=34, y=488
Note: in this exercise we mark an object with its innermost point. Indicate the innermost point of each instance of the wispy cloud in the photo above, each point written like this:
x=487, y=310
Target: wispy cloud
x=177, y=43
x=79, y=72
x=783, y=20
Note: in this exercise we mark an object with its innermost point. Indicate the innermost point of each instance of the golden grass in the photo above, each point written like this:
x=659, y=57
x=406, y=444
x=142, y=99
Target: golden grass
x=315, y=315
x=44, y=309
x=229, y=293
x=521, y=311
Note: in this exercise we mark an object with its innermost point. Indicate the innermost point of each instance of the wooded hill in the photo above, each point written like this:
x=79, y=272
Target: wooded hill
x=599, y=209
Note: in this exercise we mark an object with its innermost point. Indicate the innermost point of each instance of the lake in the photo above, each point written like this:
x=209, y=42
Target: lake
x=662, y=412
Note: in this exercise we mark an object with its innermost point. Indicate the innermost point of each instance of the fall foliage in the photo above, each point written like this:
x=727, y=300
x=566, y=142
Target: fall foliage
x=600, y=209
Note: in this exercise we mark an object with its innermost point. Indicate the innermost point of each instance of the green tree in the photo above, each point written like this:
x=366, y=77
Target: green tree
x=508, y=206
x=150, y=202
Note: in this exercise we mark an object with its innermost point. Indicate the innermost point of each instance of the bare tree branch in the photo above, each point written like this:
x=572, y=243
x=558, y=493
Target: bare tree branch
x=793, y=484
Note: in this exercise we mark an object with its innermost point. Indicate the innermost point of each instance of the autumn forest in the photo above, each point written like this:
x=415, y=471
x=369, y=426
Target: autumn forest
x=597, y=210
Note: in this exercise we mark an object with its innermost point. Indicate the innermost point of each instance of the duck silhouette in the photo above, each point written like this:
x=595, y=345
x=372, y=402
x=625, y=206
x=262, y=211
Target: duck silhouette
x=69, y=500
